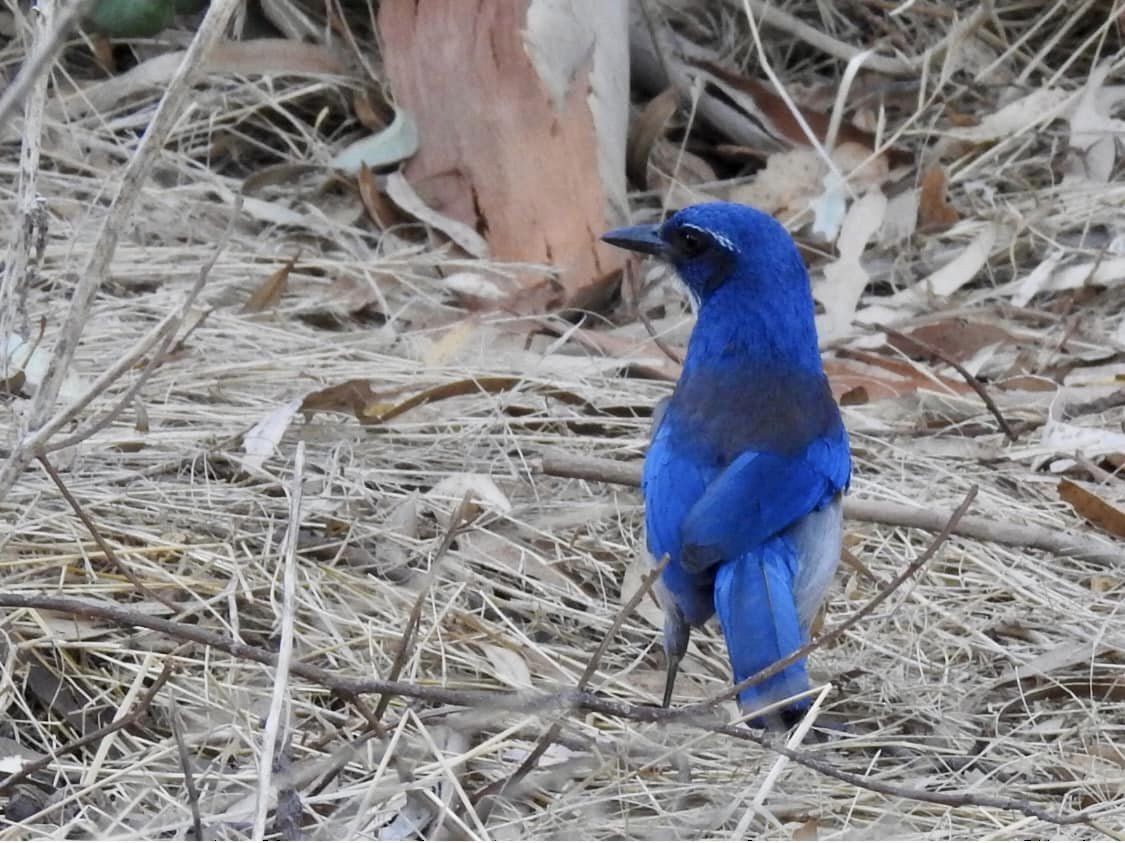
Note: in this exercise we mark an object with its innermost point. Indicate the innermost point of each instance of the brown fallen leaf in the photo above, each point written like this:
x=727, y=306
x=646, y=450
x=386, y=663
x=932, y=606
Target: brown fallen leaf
x=957, y=338
x=371, y=407
x=934, y=211
x=884, y=377
x=1095, y=509
x=645, y=131
x=355, y=396
x=269, y=292
x=367, y=113
x=381, y=209
x=779, y=121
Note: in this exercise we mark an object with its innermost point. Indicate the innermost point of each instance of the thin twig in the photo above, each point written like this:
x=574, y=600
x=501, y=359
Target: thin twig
x=19, y=271
x=972, y=380
x=457, y=519
x=129, y=190
x=558, y=464
x=109, y=552
x=185, y=767
x=41, y=58
x=131, y=719
x=551, y=735
x=374, y=718
x=511, y=701
x=827, y=637
x=276, y=715
x=658, y=341
x=158, y=341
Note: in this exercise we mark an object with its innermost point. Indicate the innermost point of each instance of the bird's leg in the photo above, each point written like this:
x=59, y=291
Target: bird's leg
x=676, y=634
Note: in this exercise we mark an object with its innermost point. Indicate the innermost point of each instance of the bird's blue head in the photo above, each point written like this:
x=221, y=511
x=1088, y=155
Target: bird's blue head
x=743, y=268
x=721, y=243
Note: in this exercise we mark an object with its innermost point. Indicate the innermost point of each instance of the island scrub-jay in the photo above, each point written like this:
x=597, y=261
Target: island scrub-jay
x=743, y=479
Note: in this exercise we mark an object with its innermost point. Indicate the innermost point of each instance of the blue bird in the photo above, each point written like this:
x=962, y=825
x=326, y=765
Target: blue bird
x=749, y=459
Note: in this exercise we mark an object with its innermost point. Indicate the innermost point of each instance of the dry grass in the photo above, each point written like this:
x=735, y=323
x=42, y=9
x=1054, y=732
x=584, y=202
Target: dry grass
x=997, y=671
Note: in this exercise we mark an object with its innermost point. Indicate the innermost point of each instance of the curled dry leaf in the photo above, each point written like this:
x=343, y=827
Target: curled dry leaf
x=934, y=211
x=1094, y=508
x=369, y=407
x=963, y=268
x=381, y=210
x=262, y=439
x=1048, y=277
x=395, y=143
x=465, y=236
x=646, y=130
x=269, y=292
x=845, y=278
x=354, y=396
x=771, y=112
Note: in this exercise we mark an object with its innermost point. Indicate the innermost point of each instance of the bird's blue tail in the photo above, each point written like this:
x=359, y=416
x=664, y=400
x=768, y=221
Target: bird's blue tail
x=756, y=606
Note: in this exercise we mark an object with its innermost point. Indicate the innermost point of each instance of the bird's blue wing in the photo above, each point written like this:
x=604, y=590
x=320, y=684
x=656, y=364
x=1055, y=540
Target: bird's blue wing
x=674, y=479
x=761, y=494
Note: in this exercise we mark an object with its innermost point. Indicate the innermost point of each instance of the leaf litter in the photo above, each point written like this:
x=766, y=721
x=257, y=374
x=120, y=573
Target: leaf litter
x=998, y=669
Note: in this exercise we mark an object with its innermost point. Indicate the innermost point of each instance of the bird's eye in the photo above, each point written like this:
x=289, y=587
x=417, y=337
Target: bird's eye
x=689, y=243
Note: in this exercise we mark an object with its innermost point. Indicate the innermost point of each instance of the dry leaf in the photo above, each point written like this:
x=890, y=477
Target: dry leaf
x=963, y=268
x=508, y=666
x=465, y=236
x=793, y=180
x=262, y=439
x=901, y=218
x=381, y=210
x=774, y=115
x=1095, y=509
x=786, y=184
x=354, y=396
x=645, y=131
x=881, y=377
x=28, y=363
x=845, y=278
x=1063, y=438
x=395, y=143
x=481, y=489
x=934, y=211
x=1093, y=133
x=1040, y=106
x=475, y=287
x=363, y=106
x=260, y=56
x=269, y=292
x=450, y=342
x=959, y=339
x=1047, y=277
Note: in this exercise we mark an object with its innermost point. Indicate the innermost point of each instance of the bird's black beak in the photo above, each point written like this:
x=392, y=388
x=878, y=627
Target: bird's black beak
x=638, y=238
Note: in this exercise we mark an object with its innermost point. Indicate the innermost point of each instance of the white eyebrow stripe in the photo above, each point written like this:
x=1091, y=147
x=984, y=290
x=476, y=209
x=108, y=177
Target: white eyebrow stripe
x=727, y=244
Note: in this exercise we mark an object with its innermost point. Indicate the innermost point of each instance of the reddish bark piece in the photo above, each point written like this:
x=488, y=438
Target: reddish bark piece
x=515, y=138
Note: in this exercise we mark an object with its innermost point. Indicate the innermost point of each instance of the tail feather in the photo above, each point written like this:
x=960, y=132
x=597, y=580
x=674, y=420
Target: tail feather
x=758, y=611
